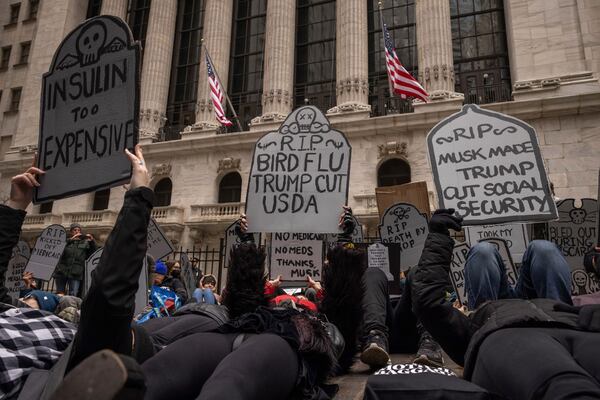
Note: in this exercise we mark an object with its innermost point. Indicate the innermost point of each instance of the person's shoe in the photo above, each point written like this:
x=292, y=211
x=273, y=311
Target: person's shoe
x=104, y=375
x=429, y=353
x=375, y=353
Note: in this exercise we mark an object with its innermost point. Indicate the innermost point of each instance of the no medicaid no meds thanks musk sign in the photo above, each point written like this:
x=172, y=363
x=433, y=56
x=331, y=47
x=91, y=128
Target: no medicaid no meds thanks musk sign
x=89, y=110
x=488, y=166
x=299, y=176
x=403, y=224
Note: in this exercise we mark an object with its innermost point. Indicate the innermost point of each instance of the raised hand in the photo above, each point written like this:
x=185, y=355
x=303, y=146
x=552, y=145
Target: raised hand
x=444, y=219
x=313, y=284
x=139, y=176
x=21, y=187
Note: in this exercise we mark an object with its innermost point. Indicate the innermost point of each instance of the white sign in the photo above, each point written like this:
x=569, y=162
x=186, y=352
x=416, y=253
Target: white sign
x=457, y=271
x=402, y=223
x=295, y=256
x=90, y=264
x=379, y=257
x=509, y=266
x=47, y=251
x=187, y=274
x=576, y=232
x=232, y=239
x=583, y=283
x=356, y=237
x=299, y=176
x=488, y=166
x=89, y=110
x=515, y=236
x=159, y=245
x=14, y=272
x=23, y=249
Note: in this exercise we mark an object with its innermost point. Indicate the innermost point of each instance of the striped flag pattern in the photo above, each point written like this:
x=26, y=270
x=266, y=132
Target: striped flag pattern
x=216, y=94
x=403, y=83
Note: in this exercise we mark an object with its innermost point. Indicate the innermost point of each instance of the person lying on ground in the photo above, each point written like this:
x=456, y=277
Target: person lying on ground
x=162, y=278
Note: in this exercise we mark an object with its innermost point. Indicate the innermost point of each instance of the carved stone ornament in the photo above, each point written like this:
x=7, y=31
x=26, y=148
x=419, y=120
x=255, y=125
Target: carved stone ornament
x=436, y=72
x=269, y=117
x=161, y=170
x=229, y=163
x=392, y=148
x=349, y=107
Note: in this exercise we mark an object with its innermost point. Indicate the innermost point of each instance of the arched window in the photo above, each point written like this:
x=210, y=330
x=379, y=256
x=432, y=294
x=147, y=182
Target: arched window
x=393, y=172
x=230, y=188
x=162, y=192
x=101, y=198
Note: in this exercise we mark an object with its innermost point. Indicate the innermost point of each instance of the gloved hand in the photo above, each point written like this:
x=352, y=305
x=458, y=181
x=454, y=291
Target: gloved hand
x=241, y=230
x=347, y=225
x=444, y=219
x=589, y=315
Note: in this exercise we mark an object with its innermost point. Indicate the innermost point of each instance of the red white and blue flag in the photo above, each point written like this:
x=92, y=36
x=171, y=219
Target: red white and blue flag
x=216, y=94
x=403, y=84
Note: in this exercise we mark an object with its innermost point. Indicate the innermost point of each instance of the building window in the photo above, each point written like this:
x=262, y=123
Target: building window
x=15, y=99
x=162, y=192
x=101, y=199
x=481, y=63
x=246, y=65
x=230, y=188
x=399, y=16
x=94, y=8
x=46, y=208
x=5, y=57
x=25, y=49
x=33, y=8
x=315, y=54
x=139, y=12
x=14, y=13
x=393, y=172
x=183, y=91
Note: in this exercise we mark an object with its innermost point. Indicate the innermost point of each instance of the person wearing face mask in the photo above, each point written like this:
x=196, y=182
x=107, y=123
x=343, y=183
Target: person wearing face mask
x=162, y=278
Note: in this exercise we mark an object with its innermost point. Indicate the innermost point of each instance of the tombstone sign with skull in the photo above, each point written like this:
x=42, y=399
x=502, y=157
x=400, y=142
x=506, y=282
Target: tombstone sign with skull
x=89, y=110
x=299, y=176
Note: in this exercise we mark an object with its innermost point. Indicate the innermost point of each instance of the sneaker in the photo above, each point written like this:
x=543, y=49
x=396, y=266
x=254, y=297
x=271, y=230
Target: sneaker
x=375, y=353
x=429, y=353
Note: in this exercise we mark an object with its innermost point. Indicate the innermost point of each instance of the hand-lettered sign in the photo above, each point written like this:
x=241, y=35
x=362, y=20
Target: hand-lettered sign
x=299, y=176
x=357, y=234
x=187, y=274
x=23, y=249
x=232, y=239
x=457, y=271
x=583, y=283
x=14, y=272
x=402, y=223
x=488, y=166
x=47, y=252
x=89, y=110
x=295, y=256
x=379, y=257
x=515, y=236
x=576, y=231
x=159, y=245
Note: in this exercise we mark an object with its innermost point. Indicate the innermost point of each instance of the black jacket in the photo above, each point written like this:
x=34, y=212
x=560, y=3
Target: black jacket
x=11, y=221
x=461, y=336
x=72, y=262
x=177, y=286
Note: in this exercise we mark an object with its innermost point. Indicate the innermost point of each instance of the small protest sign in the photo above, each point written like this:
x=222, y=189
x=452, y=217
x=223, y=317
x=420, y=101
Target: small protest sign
x=357, y=234
x=412, y=193
x=515, y=236
x=295, y=256
x=23, y=249
x=379, y=257
x=583, y=283
x=403, y=224
x=47, y=252
x=187, y=274
x=576, y=231
x=457, y=271
x=159, y=245
x=488, y=166
x=299, y=176
x=14, y=272
x=89, y=110
x=502, y=246
x=90, y=264
x=232, y=239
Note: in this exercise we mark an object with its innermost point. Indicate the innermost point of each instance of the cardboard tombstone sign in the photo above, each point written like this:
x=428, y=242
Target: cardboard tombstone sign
x=515, y=236
x=583, y=283
x=232, y=239
x=47, y=252
x=90, y=264
x=402, y=223
x=159, y=245
x=295, y=256
x=576, y=231
x=299, y=176
x=187, y=274
x=488, y=166
x=357, y=234
x=379, y=257
x=457, y=271
x=14, y=271
x=23, y=249
x=503, y=248
x=89, y=110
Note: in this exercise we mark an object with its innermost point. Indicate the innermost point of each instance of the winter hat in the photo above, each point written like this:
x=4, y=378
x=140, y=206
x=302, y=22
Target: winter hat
x=73, y=226
x=160, y=268
x=47, y=301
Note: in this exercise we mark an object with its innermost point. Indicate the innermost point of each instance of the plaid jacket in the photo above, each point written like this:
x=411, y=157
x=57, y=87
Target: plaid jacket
x=29, y=339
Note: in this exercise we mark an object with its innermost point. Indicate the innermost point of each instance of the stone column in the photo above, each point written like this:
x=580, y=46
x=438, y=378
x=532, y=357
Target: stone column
x=218, y=16
x=434, y=47
x=278, y=77
x=118, y=8
x=156, y=71
x=352, y=68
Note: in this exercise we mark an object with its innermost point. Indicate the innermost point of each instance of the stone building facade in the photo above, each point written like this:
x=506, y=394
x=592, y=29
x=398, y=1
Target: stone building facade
x=537, y=60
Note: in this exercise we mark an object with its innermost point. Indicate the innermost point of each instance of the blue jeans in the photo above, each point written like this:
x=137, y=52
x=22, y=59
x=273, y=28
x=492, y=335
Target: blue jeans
x=544, y=274
x=61, y=284
x=204, y=296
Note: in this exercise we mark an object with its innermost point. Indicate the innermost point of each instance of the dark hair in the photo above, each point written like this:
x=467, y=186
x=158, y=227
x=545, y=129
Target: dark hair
x=208, y=279
x=245, y=280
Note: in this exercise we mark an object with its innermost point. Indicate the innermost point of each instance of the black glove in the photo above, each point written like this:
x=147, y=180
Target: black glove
x=444, y=219
x=348, y=226
x=589, y=316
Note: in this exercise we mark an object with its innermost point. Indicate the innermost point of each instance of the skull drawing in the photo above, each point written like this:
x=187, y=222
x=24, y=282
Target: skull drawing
x=400, y=214
x=305, y=118
x=90, y=42
x=580, y=280
x=577, y=215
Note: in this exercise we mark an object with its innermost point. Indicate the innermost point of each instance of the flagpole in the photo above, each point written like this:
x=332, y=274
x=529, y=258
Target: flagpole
x=379, y=4
x=223, y=87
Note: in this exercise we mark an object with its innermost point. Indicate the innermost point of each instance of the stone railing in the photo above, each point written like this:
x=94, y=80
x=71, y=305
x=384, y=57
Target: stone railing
x=40, y=221
x=366, y=204
x=168, y=215
x=216, y=212
x=91, y=218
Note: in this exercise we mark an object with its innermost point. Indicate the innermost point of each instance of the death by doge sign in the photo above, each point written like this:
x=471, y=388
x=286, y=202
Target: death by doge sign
x=89, y=110
x=299, y=176
x=488, y=166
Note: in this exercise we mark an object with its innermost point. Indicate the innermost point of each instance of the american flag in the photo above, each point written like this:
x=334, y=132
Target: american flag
x=216, y=94
x=403, y=83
